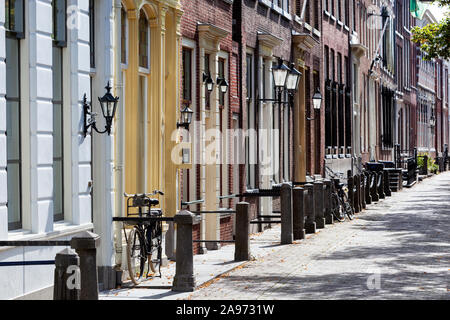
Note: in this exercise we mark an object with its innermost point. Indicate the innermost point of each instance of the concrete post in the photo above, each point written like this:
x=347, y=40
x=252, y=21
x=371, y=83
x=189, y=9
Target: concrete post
x=85, y=244
x=286, y=214
x=387, y=187
x=351, y=194
x=356, y=195
x=381, y=185
x=374, y=188
x=242, y=237
x=329, y=219
x=367, y=189
x=318, y=205
x=184, y=280
x=362, y=197
x=67, y=276
x=298, y=213
x=310, y=223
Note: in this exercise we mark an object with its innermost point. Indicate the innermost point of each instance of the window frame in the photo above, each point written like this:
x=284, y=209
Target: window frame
x=141, y=68
x=14, y=33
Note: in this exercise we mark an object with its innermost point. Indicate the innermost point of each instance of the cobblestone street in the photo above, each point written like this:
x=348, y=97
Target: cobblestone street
x=398, y=248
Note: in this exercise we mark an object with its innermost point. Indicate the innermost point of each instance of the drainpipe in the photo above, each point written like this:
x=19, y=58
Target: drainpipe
x=119, y=136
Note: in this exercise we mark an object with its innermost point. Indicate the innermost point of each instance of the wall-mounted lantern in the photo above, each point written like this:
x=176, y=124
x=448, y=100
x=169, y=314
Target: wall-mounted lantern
x=186, y=117
x=280, y=74
x=208, y=81
x=317, y=102
x=293, y=79
x=317, y=99
x=108, y=103
x=223, y=84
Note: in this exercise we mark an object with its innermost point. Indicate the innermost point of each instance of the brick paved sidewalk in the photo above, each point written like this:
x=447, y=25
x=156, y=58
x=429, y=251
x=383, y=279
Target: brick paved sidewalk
x=399, y=245
x=399, y=248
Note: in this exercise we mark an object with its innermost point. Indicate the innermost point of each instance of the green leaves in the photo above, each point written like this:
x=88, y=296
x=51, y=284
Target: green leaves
x=434, y=39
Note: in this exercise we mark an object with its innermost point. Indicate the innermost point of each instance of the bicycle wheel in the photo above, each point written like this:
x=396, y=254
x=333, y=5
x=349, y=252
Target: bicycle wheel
x=348, y=209
x=136, y=256
x=154, y=257
x=337, y=208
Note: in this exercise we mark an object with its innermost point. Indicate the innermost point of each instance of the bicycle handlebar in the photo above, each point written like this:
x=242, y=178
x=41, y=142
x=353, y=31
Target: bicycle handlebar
x=155, y=192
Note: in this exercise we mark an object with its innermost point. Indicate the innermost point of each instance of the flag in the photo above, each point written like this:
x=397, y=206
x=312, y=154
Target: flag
x=417, y=8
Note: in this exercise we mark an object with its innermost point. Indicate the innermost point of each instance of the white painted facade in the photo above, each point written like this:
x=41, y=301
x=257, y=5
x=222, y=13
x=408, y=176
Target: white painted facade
x=81, y=165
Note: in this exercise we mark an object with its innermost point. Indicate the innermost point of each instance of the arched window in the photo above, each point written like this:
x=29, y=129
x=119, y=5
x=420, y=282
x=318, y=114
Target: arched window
x=124, y=35
x=144, y=41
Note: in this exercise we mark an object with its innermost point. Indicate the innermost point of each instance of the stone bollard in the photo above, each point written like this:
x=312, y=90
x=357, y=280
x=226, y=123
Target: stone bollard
x=362, y=183
x=374, y=188
x=351, y=195
x=367, y=188
x=242, y=235
x=67, y=276
x=85, y=244
x=286, y=214
x=381, y=185
x=184, y=280
x=310, y=223
x=329, y=219
x=357, y=193
x=387, y=187
x=298, y=213
x=318, y=205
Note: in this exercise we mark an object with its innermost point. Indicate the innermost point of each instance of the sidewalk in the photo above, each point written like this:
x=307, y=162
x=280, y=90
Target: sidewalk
x=403, y=239
x=207, y=267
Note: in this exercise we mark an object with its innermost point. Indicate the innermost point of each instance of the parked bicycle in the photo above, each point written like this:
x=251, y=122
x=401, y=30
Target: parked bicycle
x=144, y=240
x=340, y=205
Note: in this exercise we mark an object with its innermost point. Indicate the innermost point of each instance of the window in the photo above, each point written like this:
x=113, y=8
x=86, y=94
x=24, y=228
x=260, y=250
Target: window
x=332, y=7
x=123, y=38
x=14, y=18
x=316, y=15
x=326, y=69
x=222, y=76
x=59, y=22
x=208, y=73
x=251, y=127
x=57, y=100
x=13, y=131
x=92, y=31
x=143, y=41
x=187, y=75
x=59, y=41
x=339, y=11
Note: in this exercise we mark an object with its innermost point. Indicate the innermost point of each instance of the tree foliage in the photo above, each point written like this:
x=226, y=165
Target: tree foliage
x=434, y=38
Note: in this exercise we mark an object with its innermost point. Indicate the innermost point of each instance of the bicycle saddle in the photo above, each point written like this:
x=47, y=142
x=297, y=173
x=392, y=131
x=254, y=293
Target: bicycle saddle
x=153, y=202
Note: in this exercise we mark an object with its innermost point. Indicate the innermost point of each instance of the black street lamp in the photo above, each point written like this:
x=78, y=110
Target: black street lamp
x=317, y=102
x=186, y=118
x=108, y=103
x=208, y=81
x=223, y=84
x=293, y=79
x=280, y=75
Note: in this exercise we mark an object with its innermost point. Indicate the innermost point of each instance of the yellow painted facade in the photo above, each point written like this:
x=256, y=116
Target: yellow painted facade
x=151, y=98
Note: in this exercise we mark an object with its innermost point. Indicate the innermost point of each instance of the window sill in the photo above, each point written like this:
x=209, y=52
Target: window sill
x=144, y=70
x=61, y=229
x=339, y=22
x=267, y=3
x=325, y=12
x=307, y=26
x=347, y=28
x=333, y=18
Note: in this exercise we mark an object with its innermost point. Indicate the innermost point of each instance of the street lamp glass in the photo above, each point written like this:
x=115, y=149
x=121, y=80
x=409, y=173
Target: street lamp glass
x=108, y=104
x=280, y=74
x=223, y=84
x=293, y=79
x=186, y=115
x=209, y=84
x=317, y=99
